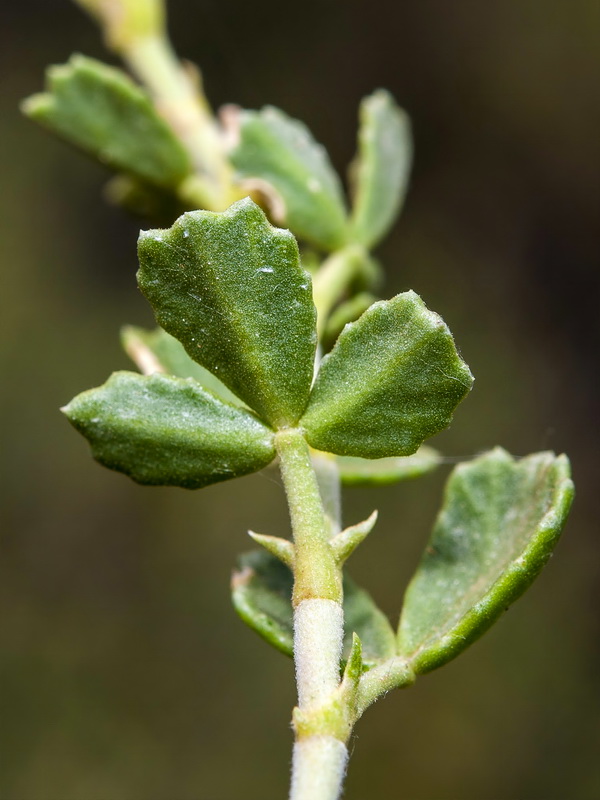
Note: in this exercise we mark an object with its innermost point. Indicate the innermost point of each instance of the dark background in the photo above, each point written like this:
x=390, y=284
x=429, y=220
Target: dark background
x=125, y=673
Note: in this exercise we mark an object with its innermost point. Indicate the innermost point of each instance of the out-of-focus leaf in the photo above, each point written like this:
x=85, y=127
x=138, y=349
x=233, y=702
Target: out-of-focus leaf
x=281, y=152
x=381, y=169
x=362, y=616
x=158, y=351
x=392, y=380
x=144, y=200
x=230, y=287
x=261, y=588
x=500, y=521
x=262, y=596
x=168, y=431
x=387, y=470
x=100, y=110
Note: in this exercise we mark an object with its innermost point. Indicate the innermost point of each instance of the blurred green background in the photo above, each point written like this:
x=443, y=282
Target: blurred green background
x=125, y=673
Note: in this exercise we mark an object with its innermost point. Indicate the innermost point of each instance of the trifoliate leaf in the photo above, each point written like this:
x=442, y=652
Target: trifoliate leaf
x=168, y=431
x=279, y=151
x=382, y=167
x=262, y=596
x=379, y=471
x=158, y=351
x=230, y=287
x=500, y=521
x=392, y=380
x=100, y=110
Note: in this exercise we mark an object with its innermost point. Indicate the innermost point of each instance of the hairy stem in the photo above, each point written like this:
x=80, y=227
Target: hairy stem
x=320, y=751
x=319, y=768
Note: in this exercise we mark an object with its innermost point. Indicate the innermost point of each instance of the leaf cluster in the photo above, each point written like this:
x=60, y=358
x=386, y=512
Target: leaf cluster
x=233, y=299
x=260, y=334
x=239, y=340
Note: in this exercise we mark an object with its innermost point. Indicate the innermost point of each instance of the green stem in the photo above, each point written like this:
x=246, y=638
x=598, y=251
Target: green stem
x=136, y=31
x=334, y=277
x=395, y=673
x=316, y=573
x=320, y=752
x=180, y=99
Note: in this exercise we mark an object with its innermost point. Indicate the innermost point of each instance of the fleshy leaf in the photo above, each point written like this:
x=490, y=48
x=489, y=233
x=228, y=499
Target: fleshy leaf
x=280, y=151
x=392, y=380
x=230, y=287
x=100, y=110
x=262, y=596
x=382, y=167
x=168, y=431
x=379, y=471
x=158, y=351
x=500, y=521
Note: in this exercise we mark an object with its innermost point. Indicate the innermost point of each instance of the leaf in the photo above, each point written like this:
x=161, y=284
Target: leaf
x=100, y=110
x=261, y=589
x=381, y=169
x=392, y=380
x=500, y=521
x=348, y=311
x=363, y=617
x=158, y=351
x=230, y=287
x=379, y=471
x=168, y=431
x=262, y=596
x=279, y=151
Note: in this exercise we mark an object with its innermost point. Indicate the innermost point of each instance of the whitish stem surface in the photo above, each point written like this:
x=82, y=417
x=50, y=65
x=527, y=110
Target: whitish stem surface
x=318, y=629
x=319, y=768
x=320, y=756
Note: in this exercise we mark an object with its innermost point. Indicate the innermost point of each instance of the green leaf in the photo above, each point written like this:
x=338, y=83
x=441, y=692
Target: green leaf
x=262, y=596
x=348, y=311
x=392, y=380
x=500, y=521
x=100, y=110
x=379, y=471
x=158, y=351
x=261, y=590
x=305, y=191
x=382, y=167
x=230, y=287
x=362, y=616
x=168, y=431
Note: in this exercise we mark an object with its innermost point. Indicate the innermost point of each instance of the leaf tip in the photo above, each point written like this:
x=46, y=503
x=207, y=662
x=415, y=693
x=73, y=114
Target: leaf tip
x=282, y=549
x=354, y=665
x=346, y=542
